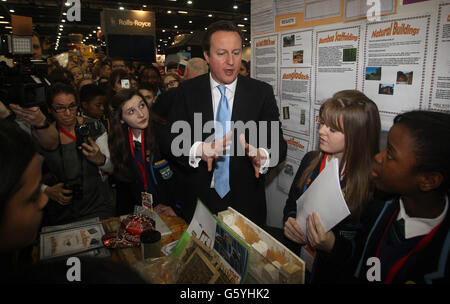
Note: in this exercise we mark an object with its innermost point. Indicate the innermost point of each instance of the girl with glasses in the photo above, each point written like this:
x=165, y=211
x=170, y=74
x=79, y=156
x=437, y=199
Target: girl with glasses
x=76, y=183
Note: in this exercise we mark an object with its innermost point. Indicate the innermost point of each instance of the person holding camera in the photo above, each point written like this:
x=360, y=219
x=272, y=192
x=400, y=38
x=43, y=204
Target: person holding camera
x=76, y=188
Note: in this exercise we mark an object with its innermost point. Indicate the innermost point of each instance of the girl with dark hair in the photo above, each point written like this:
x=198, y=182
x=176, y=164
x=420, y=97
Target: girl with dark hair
x=148, y=91
x=138, y=164
x=407, y=236
x=75, y=169
x=21, y=199
x=346, y=120
x=245, y=68
x=151, y=75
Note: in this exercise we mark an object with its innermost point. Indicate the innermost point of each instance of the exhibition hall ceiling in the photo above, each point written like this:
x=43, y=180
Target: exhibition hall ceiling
x=173, y=17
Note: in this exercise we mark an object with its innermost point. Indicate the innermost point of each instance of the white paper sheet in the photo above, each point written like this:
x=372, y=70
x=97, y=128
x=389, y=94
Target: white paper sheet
x=324, y=197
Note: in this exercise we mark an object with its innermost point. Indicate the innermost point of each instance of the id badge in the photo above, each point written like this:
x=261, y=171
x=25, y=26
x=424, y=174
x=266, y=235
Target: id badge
x=147, y=201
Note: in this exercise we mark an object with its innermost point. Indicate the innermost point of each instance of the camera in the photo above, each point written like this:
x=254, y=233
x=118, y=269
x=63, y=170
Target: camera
x=87, y=129
x=77, y=190
x=23, y=80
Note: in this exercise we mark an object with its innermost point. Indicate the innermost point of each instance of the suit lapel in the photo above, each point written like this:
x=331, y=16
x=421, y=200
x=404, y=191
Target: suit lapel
x=206, y=100
x=240, y=103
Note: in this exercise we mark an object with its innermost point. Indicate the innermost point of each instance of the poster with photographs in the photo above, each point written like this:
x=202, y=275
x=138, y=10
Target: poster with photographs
x=296, y=147
x=337, y=61
x=295, y=99
x=71, y=241
x=395, y=55
x=287, y=175
x=440, y=82
x=235, y=252
x=315, y=129
x=296, y=48
x=265, y=64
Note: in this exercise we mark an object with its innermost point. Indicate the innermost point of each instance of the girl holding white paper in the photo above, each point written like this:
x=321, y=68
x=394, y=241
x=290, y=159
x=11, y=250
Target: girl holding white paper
x=349, y=131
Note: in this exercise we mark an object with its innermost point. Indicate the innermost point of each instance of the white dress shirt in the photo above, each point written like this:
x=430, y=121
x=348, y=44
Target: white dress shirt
x=415, y=226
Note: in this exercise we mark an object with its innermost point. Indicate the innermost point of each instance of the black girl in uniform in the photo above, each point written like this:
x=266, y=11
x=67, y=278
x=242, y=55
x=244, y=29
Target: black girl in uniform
x=407, y=236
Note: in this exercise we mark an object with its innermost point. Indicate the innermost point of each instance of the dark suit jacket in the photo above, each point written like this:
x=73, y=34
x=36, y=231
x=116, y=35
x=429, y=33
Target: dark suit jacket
x=254, y=101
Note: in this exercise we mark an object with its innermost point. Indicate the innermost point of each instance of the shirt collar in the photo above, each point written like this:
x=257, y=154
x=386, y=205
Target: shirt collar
x=137, y=138
x=214, y=84
x=415, y=226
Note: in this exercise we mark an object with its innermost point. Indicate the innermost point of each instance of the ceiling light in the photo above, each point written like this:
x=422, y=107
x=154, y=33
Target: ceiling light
x=210, y=15
x=1, y=17
x=144, y=5
x=67, y=3
x=63, y=20
x=94, y=32
x=64, y=14
x=241, y=25
x=60, y=29
x=175, y=26
x=4, y=22
x=163, y=31
x=11, y=11
x=121, y=8
x=169, y=12
x=8, y=27
x=61, y=25
x=182, y=12
x=190, y=21
x=206, y=28
x=98, y=27
x=192, y=32
x=189, y=2
x=245, y=19
x=235, y=6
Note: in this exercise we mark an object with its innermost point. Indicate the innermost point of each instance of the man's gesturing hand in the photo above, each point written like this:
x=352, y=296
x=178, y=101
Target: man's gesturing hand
x=212, y=150
x=255, y=155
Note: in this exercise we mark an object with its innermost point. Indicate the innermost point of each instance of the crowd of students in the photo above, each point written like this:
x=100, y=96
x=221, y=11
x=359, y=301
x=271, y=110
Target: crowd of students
x=398, y=198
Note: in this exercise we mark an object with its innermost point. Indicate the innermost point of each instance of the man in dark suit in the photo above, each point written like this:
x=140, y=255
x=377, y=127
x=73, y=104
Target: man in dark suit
x=223, y=98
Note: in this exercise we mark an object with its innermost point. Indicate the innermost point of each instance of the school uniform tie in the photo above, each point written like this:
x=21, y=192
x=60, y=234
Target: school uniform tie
x=397, y=232
x=221, y=172
x=137, y=146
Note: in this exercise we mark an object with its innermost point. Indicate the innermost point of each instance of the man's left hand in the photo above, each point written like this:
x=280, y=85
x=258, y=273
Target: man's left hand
x=255, y=155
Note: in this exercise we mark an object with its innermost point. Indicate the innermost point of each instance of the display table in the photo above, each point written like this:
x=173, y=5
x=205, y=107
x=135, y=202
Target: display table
x=130, y=255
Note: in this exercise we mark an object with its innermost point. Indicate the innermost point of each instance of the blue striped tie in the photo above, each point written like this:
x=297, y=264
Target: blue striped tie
x=221, y=172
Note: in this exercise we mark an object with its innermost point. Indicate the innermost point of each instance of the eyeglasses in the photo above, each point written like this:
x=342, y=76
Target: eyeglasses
x=60, y=109
x=171, y=83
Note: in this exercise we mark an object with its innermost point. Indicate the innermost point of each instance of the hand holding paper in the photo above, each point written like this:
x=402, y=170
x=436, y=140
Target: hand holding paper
x=324, y=197
x=317, y=237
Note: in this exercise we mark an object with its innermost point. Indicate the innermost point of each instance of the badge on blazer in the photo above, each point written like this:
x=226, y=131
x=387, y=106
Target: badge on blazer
x=166, y=172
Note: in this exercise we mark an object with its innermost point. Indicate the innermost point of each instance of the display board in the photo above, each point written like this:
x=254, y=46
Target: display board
x=394, y=51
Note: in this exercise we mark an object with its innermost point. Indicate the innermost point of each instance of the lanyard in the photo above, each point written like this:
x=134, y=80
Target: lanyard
x=67, y=133
x=423, y=242
x=141, y=168
x=324, y=160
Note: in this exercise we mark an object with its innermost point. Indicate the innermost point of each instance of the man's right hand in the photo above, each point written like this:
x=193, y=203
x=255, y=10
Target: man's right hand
x=293, y=231
x=212, y=150
x=59, y=194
